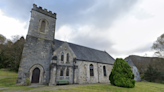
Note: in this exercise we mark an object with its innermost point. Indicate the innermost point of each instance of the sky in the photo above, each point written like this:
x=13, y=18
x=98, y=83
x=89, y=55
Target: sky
x=119, y=27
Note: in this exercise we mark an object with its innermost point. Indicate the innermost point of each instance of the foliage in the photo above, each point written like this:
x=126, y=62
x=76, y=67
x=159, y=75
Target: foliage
x=142, y=77
x=151, y=74
x=27, y=81
x=10, y=52
x=158, y=46
x=121, y=74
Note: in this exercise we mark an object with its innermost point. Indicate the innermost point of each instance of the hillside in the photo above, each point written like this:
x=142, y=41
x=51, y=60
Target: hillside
x=142, y=62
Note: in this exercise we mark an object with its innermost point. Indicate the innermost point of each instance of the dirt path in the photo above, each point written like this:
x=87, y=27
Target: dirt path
x=51, y=88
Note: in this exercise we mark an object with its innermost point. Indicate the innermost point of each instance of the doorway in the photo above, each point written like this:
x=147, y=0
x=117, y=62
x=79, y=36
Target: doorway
x=35, y=75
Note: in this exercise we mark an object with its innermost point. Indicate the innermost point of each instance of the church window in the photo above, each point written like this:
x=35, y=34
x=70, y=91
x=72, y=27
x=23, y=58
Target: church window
x=91, y=70
x=62, y=56
x=104, y=69
x=61, y=72
x=67, y=57
x=43, y=26
x=67, y=72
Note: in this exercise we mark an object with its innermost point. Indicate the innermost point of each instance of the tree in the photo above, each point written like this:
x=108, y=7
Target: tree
x=2, y=39
x=158, y=46
x=121, y=74
x=11, y=52
x=151, y=74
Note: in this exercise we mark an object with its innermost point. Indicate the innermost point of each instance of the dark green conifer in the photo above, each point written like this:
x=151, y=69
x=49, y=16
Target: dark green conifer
x=122, y=74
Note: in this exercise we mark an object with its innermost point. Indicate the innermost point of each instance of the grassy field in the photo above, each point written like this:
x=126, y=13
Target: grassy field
x=8, y=80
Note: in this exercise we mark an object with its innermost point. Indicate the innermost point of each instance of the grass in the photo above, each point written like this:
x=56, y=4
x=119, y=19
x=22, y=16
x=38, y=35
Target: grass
x=139, y=87
x=7, y=73
x=8, y=80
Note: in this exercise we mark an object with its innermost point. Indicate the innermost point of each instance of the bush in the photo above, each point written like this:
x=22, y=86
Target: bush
x=27, y=81
x=142, y=77
x=121, y=74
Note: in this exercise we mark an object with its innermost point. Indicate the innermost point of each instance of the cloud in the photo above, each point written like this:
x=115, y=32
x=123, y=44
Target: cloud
x=19, y=9
x=84, y=22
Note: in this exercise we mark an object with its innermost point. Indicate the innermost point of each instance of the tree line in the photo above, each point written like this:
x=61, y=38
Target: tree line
x=11, y=52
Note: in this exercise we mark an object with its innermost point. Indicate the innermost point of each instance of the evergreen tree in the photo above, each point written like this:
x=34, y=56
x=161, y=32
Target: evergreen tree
x=121, y=74
x=151, y=74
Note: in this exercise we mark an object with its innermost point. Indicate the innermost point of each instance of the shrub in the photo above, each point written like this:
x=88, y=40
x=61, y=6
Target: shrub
x=121, y=74
x=27, y=81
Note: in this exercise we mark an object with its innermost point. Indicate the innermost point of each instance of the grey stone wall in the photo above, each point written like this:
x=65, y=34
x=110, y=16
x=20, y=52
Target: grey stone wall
x=64, y=48
x=102, y=78
x=84, y=72
x=34, y=26
x=36, y=51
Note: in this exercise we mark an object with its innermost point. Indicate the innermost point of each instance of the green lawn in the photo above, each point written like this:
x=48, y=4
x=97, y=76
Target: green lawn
x=7, y=78
x=10, y=79
x=6, y=72
x=139, y=87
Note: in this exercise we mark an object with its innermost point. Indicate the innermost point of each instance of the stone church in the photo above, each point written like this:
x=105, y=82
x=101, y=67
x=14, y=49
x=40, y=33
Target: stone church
x=46, y=60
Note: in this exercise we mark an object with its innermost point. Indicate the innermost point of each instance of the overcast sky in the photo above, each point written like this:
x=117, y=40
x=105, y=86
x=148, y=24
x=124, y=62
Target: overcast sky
x=120, y=27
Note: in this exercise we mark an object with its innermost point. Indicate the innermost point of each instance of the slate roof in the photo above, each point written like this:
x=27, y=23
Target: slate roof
x=87, y=54
x=129, y=61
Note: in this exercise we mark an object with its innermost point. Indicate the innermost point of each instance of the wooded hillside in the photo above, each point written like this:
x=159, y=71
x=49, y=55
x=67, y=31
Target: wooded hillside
x=142, y=62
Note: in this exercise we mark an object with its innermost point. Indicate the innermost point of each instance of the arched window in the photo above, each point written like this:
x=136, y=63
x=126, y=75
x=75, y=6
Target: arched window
x=67, y=72
x=104, y=69
x=43, y=26
x=91, y=70
x=62, y=56
x=67, y=57
x=61, y=72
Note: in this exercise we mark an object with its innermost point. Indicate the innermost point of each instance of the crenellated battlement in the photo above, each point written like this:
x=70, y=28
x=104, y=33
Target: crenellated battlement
x=44, y=11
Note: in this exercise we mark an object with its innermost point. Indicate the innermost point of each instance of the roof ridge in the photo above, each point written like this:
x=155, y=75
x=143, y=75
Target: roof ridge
x=81, y=46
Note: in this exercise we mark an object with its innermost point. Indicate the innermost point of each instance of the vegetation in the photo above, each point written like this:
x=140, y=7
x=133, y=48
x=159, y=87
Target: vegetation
x=11, y=52
x=153, y=75
x=27, y=81
x=143, y=62
x=8, y=84
x=7, y=78
x=121, y=74
x=139, y=87
x=158, y=46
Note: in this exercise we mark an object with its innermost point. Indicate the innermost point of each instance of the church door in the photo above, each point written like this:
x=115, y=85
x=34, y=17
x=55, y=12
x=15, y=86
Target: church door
x=35, y=75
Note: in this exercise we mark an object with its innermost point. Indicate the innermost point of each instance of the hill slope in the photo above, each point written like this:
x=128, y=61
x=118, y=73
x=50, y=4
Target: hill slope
x=142, y=62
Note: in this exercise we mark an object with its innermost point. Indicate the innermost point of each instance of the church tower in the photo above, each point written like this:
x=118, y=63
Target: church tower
x=37, y=51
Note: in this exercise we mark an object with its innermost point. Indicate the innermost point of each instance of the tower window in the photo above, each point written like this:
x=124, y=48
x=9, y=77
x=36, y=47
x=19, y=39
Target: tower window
x=43, y=26
x=62, y=56
x=61, y=72
x=67, y=72
x=91, y=70
x=67, y=57
x=104, y=69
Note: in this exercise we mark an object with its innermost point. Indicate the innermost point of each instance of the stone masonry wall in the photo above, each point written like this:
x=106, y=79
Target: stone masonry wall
x=36, y=18
x=84, y=72
x=36, y=52
x=64, y=48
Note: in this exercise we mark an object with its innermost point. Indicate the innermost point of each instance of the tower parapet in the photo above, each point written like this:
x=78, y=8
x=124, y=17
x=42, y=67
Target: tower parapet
x=44, y=11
